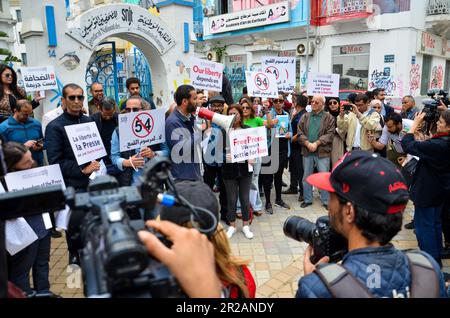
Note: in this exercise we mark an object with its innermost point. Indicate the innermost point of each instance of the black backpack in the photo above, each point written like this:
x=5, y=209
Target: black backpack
x=342, y=284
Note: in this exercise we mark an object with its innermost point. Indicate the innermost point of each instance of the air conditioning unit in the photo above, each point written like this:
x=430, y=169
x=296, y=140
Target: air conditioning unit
x=302, y=47
x=209, y=12
x=212, y=56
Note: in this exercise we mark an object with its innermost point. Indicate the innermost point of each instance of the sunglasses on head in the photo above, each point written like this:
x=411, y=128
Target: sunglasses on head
x=278, y=100
x=129, y=110
x=73, y=97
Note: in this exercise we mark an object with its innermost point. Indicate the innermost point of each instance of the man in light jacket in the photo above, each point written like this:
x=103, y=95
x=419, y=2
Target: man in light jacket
x=358, y=124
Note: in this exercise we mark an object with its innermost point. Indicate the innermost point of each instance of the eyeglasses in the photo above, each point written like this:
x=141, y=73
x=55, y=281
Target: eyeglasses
x=276, y=101
x=129, y=110
x=246, y=107
x=73, y=97
x=8, y=75
x=333, y=103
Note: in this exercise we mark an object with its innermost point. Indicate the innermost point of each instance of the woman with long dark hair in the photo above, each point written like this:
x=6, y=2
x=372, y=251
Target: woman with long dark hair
x=10, y=93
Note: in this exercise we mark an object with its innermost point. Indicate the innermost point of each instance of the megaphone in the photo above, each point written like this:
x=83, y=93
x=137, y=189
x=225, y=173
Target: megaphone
x=223, y=121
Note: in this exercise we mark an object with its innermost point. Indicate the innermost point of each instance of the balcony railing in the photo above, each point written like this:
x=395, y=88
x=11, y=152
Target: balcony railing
x=436, y=7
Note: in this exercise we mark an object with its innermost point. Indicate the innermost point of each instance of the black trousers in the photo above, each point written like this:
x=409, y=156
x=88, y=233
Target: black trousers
x=234, y=187
x=296, y=169
x=445, y=216
x=209, y=177
x=277, y=178
x=34, y=257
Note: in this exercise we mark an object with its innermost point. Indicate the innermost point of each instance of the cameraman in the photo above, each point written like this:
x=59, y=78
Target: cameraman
x=368, y=219
x=431, y=182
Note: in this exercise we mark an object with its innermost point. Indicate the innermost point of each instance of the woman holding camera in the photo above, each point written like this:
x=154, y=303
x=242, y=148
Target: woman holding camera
x=431, y=182
x=36, y=256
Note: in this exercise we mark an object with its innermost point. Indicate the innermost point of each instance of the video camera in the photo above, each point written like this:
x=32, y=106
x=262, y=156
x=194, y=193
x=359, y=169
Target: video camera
x=321, y=236
x=430, y=107
x=103, y=226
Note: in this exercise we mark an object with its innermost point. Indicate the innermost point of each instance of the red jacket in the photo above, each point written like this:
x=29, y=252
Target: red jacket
x=249, y=282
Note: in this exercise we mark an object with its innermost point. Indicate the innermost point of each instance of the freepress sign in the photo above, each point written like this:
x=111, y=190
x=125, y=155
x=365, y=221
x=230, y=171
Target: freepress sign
x=266, y=15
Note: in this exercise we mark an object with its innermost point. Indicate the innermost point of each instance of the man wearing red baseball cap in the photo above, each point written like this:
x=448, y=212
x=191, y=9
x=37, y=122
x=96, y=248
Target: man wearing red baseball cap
x=368, y=195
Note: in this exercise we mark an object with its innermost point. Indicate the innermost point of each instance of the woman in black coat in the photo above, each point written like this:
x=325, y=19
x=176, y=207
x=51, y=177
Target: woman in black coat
x=431, y=182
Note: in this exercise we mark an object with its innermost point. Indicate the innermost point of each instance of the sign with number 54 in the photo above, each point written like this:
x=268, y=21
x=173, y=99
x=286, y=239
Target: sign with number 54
x=261, y=84
x=141, y=129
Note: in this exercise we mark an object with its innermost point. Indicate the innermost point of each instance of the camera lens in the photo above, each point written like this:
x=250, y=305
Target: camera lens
x=299, y=229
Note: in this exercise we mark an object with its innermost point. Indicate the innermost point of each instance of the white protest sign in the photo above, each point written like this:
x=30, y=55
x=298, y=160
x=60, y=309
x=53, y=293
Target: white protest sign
x=248, y=143
x=283, y=68
x=86, y=143
x=260, y=84
x=40, y=78
x=206, y=75
x=141, y=129
x=323, y=84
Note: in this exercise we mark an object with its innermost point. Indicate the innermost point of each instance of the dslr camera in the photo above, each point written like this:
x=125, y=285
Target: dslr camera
x=320, y=235
x=430, y=106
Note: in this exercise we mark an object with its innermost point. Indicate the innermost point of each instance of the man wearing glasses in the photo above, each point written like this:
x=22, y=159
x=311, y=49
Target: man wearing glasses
x=59, y=150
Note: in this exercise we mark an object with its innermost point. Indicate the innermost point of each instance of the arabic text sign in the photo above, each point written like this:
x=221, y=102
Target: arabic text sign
x=284, y=70
x=266, y=15
x=101, y=22
x=141, y=129
x=206, y=75
x=87, y=145
x=323, y=84
x=40, y=78
x=260, y=84
x=248, y=143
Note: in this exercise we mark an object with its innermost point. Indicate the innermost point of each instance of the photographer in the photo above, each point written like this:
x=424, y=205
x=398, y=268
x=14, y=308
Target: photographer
x=431, y=182
x=369, y=220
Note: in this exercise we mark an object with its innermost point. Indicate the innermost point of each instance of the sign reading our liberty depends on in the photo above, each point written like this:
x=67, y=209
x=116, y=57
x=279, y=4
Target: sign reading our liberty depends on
x=248, y=144
x=323, y=84
x=284, y=70
x=261, y=84
x=40, y=78
x=86, y=143
x=141, y=129
x=206, y=75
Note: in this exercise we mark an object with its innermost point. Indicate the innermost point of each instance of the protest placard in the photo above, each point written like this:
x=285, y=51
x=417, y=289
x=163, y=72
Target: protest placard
x=206, y=75
x=40, y=78
x=141, y=129
x=283, y=68
x=86, y=142
x=248, y=144
x=261, y=84
x=282, y=127
x=323, y=84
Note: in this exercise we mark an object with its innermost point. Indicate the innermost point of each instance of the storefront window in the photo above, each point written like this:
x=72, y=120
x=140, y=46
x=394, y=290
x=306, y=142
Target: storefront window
x=351, y=62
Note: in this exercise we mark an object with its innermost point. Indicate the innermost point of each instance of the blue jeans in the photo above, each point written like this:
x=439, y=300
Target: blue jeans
x=323, y=165
x=428, y=226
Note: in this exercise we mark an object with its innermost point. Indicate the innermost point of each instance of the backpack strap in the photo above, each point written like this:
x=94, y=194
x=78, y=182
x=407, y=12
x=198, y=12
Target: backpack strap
x=341, y=283
x=424, y=279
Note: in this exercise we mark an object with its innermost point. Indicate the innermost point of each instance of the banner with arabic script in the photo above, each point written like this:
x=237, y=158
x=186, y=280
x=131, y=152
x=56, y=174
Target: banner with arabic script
x=41, y=78
x=95, y=25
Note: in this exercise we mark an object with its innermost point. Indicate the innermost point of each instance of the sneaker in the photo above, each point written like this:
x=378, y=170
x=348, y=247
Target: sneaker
x=305, y=204
x=55, y=233
x=284, y=184
x=282, y=204
x=269, y=208
x=290, y=191
x=230, y=232
x=248, y=234
x=300, y=198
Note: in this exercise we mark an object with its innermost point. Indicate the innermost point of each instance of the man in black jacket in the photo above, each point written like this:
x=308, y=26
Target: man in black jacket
x=431, y=182
x=60, y=152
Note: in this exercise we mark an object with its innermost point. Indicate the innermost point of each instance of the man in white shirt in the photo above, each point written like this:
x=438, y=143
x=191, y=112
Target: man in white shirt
x=49, y=116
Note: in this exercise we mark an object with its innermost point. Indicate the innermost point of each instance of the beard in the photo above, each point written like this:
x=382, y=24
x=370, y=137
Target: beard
x=191, y=108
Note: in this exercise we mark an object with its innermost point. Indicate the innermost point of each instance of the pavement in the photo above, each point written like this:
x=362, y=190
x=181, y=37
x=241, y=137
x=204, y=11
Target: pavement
x=275, y=260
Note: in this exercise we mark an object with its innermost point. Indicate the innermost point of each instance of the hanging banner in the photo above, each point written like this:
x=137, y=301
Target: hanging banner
x=283, y=68
x=248, y=144
x=141, y=129
x=323, y=84
x=86, y=142
x=206, y=75
x=40, y=78
x=260, y=84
